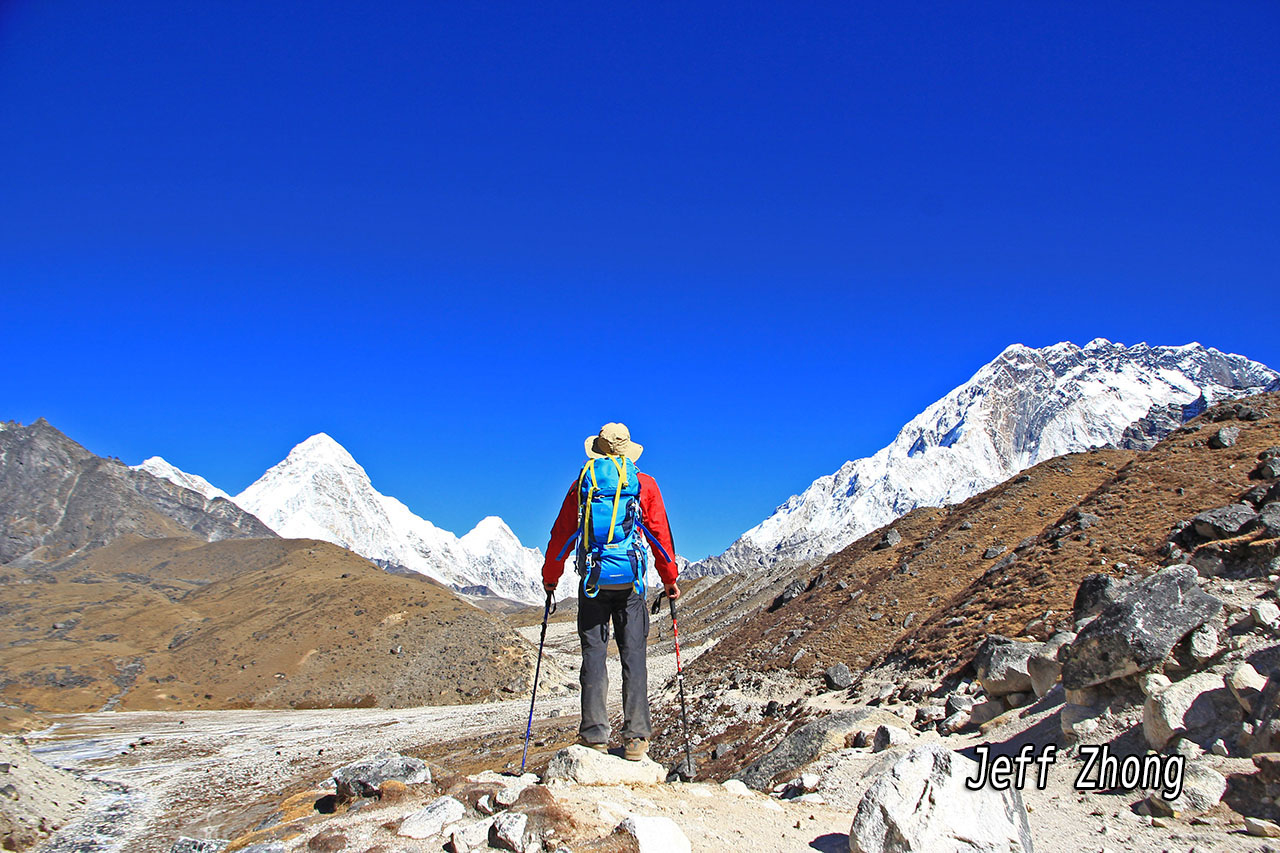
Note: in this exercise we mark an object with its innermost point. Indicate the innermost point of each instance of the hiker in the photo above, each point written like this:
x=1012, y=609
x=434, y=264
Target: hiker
x=615, y=516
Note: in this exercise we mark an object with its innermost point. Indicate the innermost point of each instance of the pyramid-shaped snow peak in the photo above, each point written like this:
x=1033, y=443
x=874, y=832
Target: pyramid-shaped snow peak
x=1026, y=406
x=319, y=491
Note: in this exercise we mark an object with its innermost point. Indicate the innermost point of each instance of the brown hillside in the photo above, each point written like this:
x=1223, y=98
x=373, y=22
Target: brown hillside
x=928, y=600
x=175, y=623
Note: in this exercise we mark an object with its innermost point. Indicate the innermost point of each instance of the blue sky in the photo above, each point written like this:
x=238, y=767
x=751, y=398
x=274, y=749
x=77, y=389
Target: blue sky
x=459, y=237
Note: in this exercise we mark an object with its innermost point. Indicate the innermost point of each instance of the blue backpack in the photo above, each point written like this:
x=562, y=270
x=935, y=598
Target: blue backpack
x=609, y=551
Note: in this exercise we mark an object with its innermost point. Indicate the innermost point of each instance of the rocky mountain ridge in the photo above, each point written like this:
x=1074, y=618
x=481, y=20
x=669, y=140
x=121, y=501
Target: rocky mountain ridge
x=1026, y=406
x=58, y=499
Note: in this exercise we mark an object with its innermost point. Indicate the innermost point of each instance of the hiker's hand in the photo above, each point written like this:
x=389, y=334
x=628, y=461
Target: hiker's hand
x=549, y=587
x=673, y=591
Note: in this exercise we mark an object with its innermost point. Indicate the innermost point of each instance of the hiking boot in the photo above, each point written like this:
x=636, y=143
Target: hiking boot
x=598, y=747
x=635, y=749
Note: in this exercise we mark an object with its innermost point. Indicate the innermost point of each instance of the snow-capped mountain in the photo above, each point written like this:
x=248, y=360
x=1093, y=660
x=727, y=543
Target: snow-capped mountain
x=1026, y=406
x=160, y=468
x=320, y=492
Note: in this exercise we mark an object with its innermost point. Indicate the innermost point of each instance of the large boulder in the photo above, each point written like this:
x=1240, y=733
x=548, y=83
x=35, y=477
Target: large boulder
x=1199, y=707
x=1138, y=631
x=585, y=766
x=1224, y=438
x=921, y=805
x=1267, y=522
x=655, y=834
x=811, y=741
x=1001, y=665
x=1223, y=522
x=1044, y=666
x=363, y=778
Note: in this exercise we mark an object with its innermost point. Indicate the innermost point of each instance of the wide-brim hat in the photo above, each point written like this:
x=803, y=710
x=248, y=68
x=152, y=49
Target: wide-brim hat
x=613, y=440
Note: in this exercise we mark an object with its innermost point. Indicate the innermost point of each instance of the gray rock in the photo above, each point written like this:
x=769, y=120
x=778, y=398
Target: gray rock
x=363, y=778
x=954, y=723
x=993, y=552
x=1203, y=643
x=1138, y=631
x=985, y=712
x=1267, y=469
x=1246, y=684
x=433, y=819
x=888, y=736
x=959, y=702
x=1224, y=438
x=198, y=845
x=1077, y=721
x=1223, y=522
x=1044, y=667
x=1094, y=594
x=789, y=592
x=471, y=836
x=1001, y=665
x=838, y=677
x=507, y=831
x=1260, y=828
x=655, y=834
x=587, y=767
x=1267, y=524
x=813, y=740
x=921, y=805
x=891, y=537
x=264, y=847
x=1202, y=789
x=1197, y=708
x=1265, y=615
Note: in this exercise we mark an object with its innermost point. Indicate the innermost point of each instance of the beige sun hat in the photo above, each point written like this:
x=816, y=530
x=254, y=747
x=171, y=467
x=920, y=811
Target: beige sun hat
x=613, y=440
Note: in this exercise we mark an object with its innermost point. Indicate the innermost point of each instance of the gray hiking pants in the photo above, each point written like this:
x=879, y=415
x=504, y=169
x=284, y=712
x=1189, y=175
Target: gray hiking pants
x=630, y=619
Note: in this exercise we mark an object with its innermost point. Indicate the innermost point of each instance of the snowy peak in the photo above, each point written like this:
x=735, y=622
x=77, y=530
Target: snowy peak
x=1025, y=406
x=319, y=491
x=158, y=467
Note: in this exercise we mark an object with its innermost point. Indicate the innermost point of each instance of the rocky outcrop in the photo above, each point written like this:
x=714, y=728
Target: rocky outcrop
x=1138, y=631
x=1199, y=707
x=363, y=778
x=1001, y=665
x=813, y=740
x=921, y=805
x=585, y=766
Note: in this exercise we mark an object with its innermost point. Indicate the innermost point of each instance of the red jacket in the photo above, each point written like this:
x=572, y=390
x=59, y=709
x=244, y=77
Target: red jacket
x=652, y=511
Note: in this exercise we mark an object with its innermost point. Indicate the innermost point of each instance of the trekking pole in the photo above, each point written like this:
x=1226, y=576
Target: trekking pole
x=684, y=712
x=546, y=614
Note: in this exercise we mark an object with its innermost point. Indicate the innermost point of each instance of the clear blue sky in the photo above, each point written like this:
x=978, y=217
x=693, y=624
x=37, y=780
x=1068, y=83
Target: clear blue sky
x=459, y=237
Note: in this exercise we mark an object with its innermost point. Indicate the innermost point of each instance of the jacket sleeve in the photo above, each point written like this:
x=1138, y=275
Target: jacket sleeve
x=655, y=518
x=564, y=528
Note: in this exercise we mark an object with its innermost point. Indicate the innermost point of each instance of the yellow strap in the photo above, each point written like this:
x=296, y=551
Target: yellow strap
x=585, y=515
x=617, y=493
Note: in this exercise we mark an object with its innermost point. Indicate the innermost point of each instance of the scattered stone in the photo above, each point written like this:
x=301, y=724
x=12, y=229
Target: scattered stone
x=363, y=778
x=1260, y=828
x=1267, y=469
x=1086, y=519
x=985, y=712
x=890, y=538
x=812, y=740
x=656, y=834
x=921, y=804
x=507, y=830
x=1203, y=643
x=471, y=836
x=1150, y=682
x=959, y=702
x=993, y=552
x=198, y=845
x=485, y=805
x=1001, y=665
x=506, y=798
x=838, y=677
x=1224, y=438
x=264, y=847
x=327, y=842
x=585, y=766
x=887, y=736
x=433, y=819
x=954, y=723
x=736, y=787
x=1219, y=747
x=1137, y=632
x=1202, y=789
x=789, y=592
x=1245, y=683
x=1265, y=615
x=1195, y=707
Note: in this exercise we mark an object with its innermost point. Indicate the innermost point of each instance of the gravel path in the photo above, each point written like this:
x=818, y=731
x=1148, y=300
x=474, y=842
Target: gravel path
x=174, y=773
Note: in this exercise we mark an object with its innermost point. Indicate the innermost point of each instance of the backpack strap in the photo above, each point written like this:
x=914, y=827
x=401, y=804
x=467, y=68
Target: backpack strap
x=617, y=492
